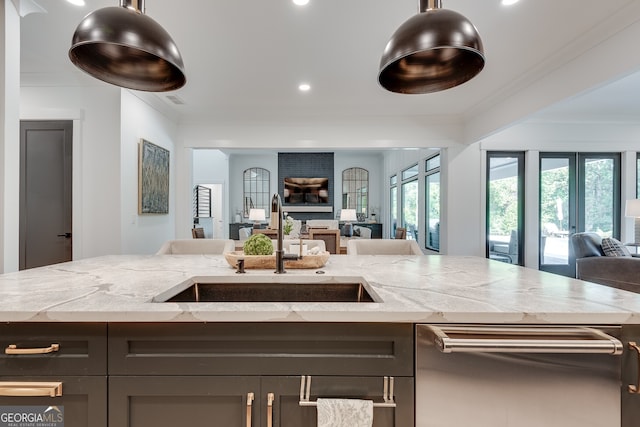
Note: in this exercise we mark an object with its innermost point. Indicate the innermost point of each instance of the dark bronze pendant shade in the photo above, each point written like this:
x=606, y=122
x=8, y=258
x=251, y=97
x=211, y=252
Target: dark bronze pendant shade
x=434, y=50
x=125, y=47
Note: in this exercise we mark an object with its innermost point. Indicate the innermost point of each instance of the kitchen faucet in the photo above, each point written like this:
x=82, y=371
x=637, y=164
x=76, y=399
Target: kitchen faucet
x=276, y=209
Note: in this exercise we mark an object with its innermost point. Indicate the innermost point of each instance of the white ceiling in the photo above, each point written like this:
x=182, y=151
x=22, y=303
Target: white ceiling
x=246, y=58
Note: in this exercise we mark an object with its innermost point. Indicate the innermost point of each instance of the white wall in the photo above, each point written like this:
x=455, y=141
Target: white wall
x=372, y=162
x=144, y=234
x=238, y=163
x=212, y=167
x=10, y=137
x=95, y=111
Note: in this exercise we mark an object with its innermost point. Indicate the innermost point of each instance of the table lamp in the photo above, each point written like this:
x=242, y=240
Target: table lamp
x=632, y=209
x=348, y=215
x=257, y=215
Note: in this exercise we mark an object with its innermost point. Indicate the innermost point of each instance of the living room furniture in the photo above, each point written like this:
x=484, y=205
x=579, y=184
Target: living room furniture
x=505, y=251
x=197, y=233
x=592, y=265
x=331, y=238
x=383, y=247
x=273, y=234
x=197, y=246
x=401, y=233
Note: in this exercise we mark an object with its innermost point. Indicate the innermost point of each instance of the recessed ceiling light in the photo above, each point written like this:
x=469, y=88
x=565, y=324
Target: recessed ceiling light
x=300, y=2
x=77, y=2
x=304, y=87
x=509, y=2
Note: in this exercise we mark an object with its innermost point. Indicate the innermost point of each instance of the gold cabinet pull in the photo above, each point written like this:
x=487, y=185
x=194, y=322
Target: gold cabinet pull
x=13, y=349
x=250, y=397
x=25, y=388
x=635, y=389
x=270, y=398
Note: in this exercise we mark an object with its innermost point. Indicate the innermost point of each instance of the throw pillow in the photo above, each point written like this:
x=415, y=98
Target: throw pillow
x=613, y=247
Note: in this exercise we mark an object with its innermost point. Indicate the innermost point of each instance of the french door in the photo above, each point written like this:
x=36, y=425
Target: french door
x=505, y=207
x=578, y=192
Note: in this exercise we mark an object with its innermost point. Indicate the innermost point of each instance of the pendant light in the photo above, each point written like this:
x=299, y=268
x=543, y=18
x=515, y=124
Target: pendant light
x=123, y=46
x=434, y=50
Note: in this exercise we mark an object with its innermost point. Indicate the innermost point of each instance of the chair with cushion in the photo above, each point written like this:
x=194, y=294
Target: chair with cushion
x=196, y=247
x=383, y=247
x=361, y=232
x=197, y=233
x=244, y=233
x=401, y=233
x=331, y=238
x=605, y=261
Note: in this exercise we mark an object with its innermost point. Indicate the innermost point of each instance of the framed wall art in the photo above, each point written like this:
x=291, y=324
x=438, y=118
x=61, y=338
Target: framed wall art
x=153, y=179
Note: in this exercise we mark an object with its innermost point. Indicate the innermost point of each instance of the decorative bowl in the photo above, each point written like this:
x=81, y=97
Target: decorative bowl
x=269, y=261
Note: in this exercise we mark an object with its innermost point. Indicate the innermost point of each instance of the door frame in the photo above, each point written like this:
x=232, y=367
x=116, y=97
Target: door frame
x=520, y=156
x=68, y=126
x=77, y=117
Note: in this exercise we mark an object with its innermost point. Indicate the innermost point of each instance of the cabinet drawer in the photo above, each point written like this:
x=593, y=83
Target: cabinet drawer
x=83, y=402
x=258, y=349
x=82, y=349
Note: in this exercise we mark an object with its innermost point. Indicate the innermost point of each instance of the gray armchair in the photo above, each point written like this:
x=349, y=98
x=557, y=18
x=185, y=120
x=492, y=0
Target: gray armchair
x=622, y=272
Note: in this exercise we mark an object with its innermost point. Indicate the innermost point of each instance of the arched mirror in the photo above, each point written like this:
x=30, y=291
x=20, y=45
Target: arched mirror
x=256, y=190
x=355, y=190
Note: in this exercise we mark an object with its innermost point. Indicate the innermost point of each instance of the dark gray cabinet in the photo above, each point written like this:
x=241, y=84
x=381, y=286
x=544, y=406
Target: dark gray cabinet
x=194, y=401
x=162, y=374
x=287, y=412
x=630, y=376
x=73, y=356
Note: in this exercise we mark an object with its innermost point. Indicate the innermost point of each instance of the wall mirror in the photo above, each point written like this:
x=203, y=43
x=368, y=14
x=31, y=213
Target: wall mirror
x=256, y=192
x=355, y=190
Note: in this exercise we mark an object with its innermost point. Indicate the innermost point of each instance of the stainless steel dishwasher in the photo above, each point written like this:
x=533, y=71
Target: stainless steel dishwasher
x=518, y=376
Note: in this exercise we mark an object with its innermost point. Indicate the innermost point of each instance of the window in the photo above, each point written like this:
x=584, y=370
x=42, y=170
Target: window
x=432, y=203
x=355, y=190
x=410, y=201
x=201, y=202
x=256, y=190
x=393, y=205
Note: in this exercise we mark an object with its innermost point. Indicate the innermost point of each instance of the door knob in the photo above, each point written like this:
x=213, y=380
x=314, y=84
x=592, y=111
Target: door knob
x=65, y=235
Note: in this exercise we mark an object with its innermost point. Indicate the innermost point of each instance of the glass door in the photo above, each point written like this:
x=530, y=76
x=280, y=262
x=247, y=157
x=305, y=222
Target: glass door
x=578, y=192
x=505, y=207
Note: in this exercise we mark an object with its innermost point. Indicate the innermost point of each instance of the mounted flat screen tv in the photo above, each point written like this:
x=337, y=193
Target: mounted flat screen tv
x=306, y=191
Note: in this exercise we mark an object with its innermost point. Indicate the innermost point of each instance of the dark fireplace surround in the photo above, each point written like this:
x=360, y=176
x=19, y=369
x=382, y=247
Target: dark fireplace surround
x=307, y=165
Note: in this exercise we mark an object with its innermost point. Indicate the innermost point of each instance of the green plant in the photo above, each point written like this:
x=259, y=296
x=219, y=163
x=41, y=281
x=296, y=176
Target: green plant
x=258, y=244
x=288, y=225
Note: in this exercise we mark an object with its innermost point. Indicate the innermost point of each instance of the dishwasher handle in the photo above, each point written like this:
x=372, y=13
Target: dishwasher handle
x=479, y=339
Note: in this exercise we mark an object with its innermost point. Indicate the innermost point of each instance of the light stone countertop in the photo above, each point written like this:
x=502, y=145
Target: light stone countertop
x=431, y=289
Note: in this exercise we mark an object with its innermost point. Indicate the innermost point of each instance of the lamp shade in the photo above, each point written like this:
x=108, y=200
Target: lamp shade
x=434, y=50
x=632, y=208
x=348, y=215
x=125, y=47
x=257, y=215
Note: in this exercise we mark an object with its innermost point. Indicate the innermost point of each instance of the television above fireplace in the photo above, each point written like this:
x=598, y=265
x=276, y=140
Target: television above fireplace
x=306, y=191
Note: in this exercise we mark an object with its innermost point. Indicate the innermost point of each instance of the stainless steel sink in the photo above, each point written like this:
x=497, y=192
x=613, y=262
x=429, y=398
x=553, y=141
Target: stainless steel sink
x=271, y=289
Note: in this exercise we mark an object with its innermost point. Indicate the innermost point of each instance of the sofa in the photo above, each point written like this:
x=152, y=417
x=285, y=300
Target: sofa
x=618, y=269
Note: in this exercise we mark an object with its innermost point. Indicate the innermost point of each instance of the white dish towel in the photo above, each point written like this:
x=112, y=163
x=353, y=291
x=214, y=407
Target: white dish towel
x=345, y=413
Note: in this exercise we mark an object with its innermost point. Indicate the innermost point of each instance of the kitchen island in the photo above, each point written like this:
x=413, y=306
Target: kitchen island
x=425, y=289
x=127, y=360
